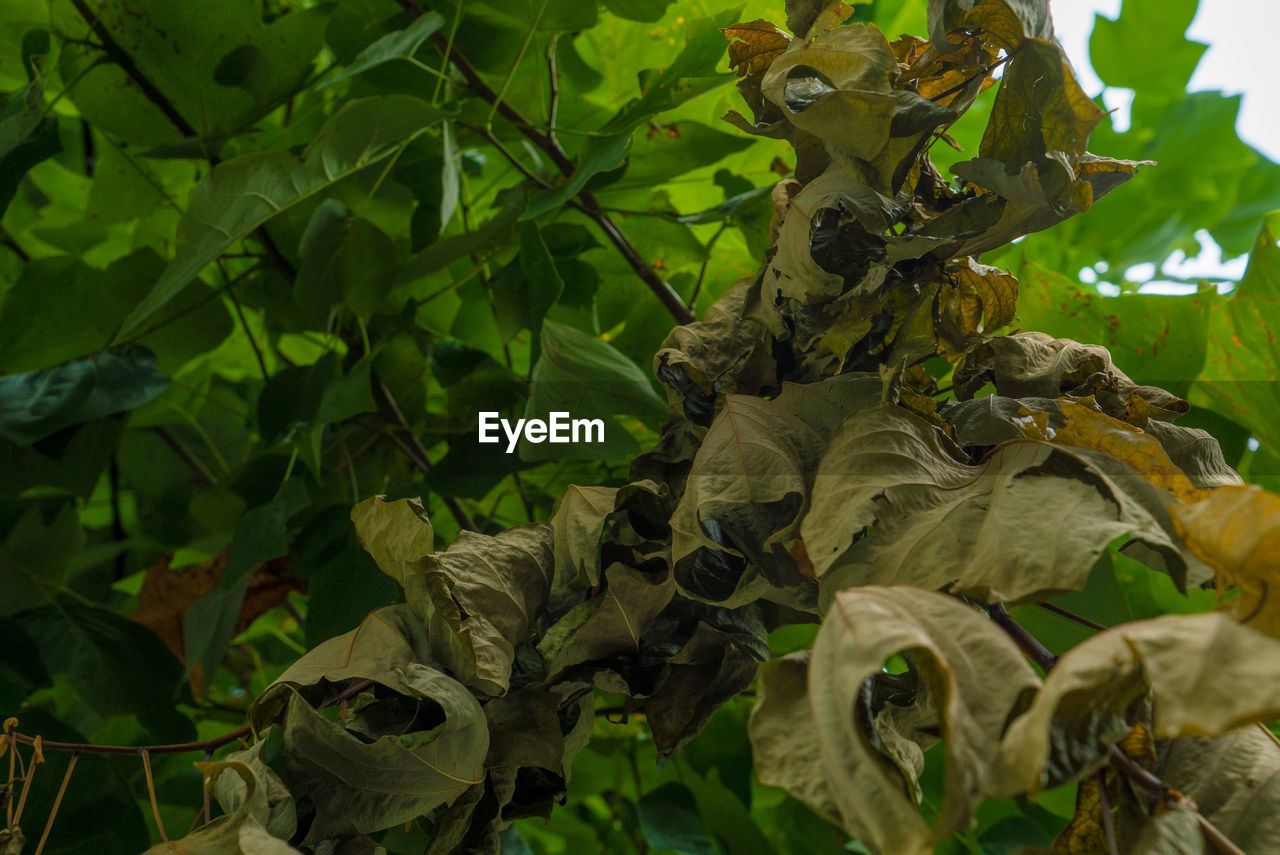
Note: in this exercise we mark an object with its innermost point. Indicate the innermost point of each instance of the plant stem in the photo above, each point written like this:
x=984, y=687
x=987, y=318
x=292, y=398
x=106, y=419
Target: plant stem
x=1123, y=763
x=1072, y=616
x=547, y=143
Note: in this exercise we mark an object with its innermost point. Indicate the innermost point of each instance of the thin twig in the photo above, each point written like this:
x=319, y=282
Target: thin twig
x=136, y=750
x=551, y=147
x=1104, y=801
x=1028, y=643
x=193, y=462
x=1126, y=765
x=248, y=333
x=7, y=240
x=57, y=803
x=387, y=402
x=122, y=58
x=1072, y=616
x=488, y=137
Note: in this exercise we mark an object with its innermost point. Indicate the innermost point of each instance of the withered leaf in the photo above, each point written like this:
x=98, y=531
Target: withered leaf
x=754, y=45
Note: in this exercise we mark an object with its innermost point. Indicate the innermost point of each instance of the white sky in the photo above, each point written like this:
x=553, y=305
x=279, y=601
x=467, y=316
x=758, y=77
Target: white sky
x=1240, y=35
x=1241, y=39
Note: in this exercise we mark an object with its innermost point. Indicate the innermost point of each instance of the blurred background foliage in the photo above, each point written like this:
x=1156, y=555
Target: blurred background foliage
x=200, y=379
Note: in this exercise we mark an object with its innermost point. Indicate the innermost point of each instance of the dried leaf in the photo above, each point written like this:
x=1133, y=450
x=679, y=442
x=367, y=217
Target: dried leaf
x=1205, y=675
x=808, y=738
x=1236, y=531
x=416, y=740
x=754, y=45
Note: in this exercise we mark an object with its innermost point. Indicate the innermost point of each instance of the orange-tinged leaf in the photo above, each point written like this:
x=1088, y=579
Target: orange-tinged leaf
x=1088, y=428
x=167, y=594
x=1085, y=834
x=1236, y=531
x=754, y=45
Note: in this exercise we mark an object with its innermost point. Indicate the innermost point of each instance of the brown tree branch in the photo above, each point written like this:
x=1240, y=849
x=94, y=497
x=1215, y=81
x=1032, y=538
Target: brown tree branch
x=1126, y=765
x=548, y=144
x=206, y=745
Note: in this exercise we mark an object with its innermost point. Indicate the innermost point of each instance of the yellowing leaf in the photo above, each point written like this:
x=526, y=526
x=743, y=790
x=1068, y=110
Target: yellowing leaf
x=1236, y=531
x=754, y=45
x=1087, y=428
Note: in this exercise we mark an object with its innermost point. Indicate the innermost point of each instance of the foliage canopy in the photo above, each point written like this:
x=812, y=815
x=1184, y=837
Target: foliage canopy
x=899, y=565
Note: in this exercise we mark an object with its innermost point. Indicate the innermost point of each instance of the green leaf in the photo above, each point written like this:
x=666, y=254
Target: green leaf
x=99, y=653
x=670, y=822
x=38, y=549
x=587, y=378
x=638, y=10
x=400, y=45
x=691, y=74
x=220, y=73
x=1241, y=366
x=345, y=260
x=1205, y=674
x=1145, y=50
x=808, y=730
x=241, y=194
x=41, y=403
x=28, y=136
x=388, y=763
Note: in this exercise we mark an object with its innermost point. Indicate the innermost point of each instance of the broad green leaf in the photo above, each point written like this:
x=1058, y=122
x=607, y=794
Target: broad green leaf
x=240, y=195
x=1241, y=366
x=400, y=45
x=218, y=72
x=638, y=10
x=692, y=73
x=41, y=403
x=345, y=260
x=1144, y=49
x=1205, y=674
x=748, y=487
x=27, y=137
x=99, y=653
x=189, y=326
x=479, y=599
x=38, y=548
x=809, y=733
x=671, y=822
x=1163, y=338
x=586, y=378
x=385, y=764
